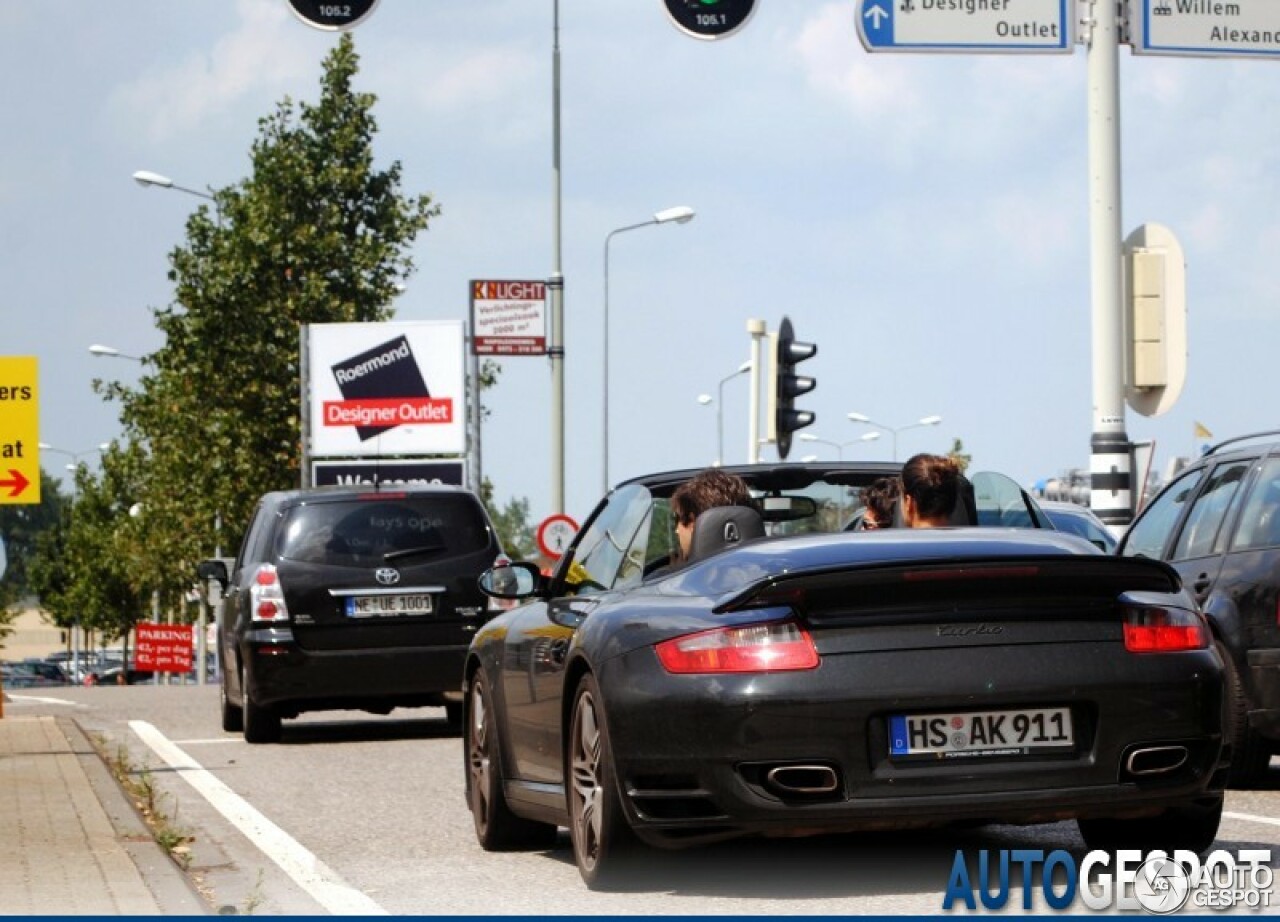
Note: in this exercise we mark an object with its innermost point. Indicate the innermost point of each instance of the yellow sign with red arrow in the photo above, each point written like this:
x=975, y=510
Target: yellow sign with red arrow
x=19, y=430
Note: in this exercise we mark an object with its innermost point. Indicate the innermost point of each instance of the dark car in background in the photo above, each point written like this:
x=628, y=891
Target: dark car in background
x=1218, y=524
x=795, y=678
x=32, y=674
x=351, y=597
x=1079, y=520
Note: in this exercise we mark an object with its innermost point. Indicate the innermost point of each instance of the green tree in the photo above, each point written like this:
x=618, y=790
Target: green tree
x=21, y=526
x=85, y=569
x=316, y=234
x=511, y=521
x=957, y=454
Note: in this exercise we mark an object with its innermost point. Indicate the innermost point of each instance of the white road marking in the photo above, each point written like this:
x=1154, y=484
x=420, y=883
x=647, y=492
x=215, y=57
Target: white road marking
x=308, y=871
x=37, y=698
x=1250, y=818
x=209, y=741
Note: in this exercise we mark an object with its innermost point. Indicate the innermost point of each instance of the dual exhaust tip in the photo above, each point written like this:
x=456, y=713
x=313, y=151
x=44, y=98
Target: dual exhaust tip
x=802, y=780
x=1155, y=760
x=817, y=780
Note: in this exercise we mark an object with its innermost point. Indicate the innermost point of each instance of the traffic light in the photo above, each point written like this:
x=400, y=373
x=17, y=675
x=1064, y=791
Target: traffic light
x=786, y=386
x=709, y=19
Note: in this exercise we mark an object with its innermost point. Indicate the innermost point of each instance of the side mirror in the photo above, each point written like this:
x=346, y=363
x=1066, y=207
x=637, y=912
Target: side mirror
x=213, y=569
x=519, y=580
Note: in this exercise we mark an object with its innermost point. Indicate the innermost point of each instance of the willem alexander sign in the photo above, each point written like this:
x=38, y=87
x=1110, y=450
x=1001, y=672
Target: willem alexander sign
x=377, y=389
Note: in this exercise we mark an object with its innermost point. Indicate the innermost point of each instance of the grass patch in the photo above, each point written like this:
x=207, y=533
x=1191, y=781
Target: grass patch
x=140, y=787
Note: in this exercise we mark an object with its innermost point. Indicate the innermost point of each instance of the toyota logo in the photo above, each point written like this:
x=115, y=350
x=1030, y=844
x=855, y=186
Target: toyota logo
x=387, y=576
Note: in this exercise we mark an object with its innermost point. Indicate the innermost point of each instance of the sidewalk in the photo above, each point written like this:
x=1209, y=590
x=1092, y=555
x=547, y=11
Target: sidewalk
x=70, y=842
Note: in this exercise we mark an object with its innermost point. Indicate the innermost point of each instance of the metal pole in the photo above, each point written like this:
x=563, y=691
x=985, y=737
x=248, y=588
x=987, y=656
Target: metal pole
x=476, y=474
x=757, y=330
x=604, y=429
x=304, y=378
x=605, y=355
x=720, y=425
x=1110, y=494
x=555, y=284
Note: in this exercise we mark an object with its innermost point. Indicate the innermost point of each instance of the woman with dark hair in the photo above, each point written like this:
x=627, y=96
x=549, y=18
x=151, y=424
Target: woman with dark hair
x=930, y=489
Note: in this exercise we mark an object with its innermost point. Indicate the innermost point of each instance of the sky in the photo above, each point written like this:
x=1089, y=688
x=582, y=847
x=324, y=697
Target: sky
x=922, y=218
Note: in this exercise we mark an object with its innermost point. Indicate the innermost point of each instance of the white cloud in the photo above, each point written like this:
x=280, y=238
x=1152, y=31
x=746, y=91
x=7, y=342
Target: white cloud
x=827, y=49
x=172, y=98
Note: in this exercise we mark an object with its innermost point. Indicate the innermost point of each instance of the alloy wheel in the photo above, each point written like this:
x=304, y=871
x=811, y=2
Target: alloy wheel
x=587, y=782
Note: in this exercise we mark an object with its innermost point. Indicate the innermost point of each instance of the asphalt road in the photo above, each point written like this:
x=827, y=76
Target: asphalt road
x=353, y=813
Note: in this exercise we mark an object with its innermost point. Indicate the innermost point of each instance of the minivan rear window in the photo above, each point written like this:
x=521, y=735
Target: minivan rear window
x=401, y=529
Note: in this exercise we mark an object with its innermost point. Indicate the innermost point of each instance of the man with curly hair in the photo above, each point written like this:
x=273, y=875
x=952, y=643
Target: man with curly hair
x=705, y=490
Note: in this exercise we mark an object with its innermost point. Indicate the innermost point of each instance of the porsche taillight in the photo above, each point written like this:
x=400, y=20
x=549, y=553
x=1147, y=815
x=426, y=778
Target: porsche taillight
x=1163, y=630
x=780, y=646
x=266, y=597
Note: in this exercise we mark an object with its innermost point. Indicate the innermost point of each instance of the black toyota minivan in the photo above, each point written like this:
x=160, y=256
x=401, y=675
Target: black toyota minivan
x=351, y=597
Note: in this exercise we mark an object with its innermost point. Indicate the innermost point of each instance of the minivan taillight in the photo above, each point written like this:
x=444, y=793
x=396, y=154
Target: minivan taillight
x=1164, y=630
x=266, y=598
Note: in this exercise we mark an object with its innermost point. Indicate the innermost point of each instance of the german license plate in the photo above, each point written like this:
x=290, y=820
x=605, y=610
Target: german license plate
x=980, y=734
x=382, y=606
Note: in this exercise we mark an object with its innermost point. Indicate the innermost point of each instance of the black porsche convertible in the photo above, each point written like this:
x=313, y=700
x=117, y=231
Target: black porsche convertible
x=797, y=677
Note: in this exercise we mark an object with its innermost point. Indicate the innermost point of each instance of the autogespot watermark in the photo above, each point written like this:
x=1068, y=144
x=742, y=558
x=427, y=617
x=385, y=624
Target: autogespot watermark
x=1125, y=880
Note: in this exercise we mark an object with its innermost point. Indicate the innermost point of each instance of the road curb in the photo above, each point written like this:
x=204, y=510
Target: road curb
x=174, y=891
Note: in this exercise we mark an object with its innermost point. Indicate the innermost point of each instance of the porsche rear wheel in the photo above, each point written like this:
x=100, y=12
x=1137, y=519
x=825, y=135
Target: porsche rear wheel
x=497, y=828
x=603, y=843
x=1192, y=827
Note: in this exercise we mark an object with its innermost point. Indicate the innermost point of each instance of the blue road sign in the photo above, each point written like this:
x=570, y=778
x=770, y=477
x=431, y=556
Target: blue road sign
x=968, y=26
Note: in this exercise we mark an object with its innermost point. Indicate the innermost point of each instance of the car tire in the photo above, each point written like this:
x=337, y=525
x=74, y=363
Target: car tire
x=261, y=723
x=453, y=714
x=604, y=845
x=1191, y=827
x=1250, y=753
x=497, y=828
x=232, y=716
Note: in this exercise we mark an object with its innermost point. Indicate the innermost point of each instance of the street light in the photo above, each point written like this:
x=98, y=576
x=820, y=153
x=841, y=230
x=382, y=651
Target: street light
x=923, y=421
x=146, y=178
x=681, y=214
x=75, y=456
x=111, y=352
x=705, y=399
x=838, y=446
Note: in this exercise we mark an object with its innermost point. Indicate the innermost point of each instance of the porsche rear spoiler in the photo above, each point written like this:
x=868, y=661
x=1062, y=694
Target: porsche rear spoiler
x=1046, y=581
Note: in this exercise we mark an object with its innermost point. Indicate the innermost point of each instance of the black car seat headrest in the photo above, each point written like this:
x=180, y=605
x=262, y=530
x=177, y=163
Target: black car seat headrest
x=723, y=527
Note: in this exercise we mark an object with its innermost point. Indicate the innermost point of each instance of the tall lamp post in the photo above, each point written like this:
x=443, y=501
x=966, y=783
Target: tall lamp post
x=705, y=399
x=681, y=214
x=923, y=421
